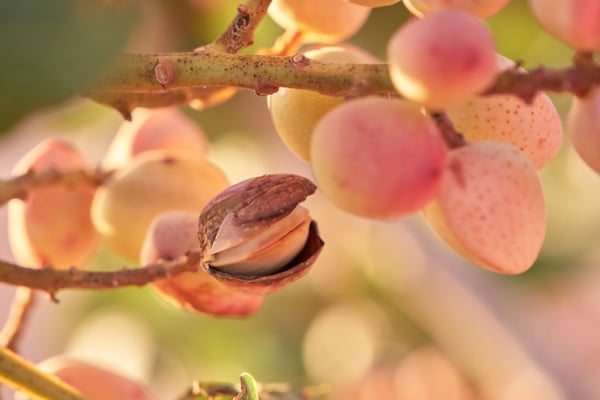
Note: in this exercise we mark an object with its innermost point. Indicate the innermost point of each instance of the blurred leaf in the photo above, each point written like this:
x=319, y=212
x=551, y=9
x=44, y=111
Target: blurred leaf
x=52, y=49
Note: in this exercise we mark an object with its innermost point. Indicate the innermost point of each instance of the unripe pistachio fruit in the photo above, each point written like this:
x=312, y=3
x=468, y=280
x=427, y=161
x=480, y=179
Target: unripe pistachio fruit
x=575, y=22
x=255, y=238
x=153, y=183
x=166, y=129
x=51, y=226
x=93, y=382
x=173, y=234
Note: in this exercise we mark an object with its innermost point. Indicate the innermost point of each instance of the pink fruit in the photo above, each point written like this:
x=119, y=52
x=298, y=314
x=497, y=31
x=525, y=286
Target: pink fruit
x=443, y=59
x=575, y=22
x=534, y=128
x=94, y=383
x=378, y=158
x=583, y=126
x=158, y=129
x=52, y=225
x=490, y=207
x=171, y=235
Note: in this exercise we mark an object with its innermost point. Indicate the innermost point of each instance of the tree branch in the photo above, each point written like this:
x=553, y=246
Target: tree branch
x=51, y=280
x=133, y=83
x=19, y=186
x=19, y=312
x=240, y=32
x=578, y=79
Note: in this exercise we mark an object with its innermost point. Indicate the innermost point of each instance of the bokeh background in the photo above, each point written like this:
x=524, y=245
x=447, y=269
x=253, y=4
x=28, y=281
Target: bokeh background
x=388, y=311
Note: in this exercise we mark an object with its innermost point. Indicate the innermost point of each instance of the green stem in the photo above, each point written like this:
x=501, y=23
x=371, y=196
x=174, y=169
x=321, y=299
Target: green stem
x=139, y=79
x=150, y=80
x=136, y=73
x=24, y=376
x=241, y=30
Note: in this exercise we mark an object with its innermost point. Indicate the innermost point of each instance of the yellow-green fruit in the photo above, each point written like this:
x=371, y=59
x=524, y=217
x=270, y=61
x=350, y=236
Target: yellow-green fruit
x=319, y=21
x=51, y=226
x=151, y=184
x=295, y=112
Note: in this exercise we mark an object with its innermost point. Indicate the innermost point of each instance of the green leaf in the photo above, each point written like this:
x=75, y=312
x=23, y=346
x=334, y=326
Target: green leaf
x=52, y=49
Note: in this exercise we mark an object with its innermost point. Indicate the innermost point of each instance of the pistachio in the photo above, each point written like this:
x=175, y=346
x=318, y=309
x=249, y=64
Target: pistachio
x=254, y=236
x=172, y=234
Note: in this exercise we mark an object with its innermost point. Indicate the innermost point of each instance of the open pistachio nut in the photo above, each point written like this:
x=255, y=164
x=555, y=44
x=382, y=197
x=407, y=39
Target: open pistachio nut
x=255, y=237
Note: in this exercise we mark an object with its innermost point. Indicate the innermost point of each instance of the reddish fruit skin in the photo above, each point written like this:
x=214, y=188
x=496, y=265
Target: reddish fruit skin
x=93, y=382
x=575, y=22
x=490, y=207
x=378, y=158
x=535, y=128
x=583, y=126
x=52, y=225
x=437, y=65
x=161, y=129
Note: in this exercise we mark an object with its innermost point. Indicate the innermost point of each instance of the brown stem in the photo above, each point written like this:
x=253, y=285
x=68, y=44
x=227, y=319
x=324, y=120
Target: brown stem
x=18, y=315
x=134, y=81
x=452, y=137
x=240, y=32
x=578, y=79
x=19, y=186
x=52, y=280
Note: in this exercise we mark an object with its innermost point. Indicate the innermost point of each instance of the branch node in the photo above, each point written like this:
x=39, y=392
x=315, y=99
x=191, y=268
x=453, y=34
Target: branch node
x=52, y=296
x=165, y=73
x=264, y=89
x=299, y=61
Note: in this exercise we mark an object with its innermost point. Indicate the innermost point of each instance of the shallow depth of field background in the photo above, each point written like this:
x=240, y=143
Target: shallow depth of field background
x=380, y=294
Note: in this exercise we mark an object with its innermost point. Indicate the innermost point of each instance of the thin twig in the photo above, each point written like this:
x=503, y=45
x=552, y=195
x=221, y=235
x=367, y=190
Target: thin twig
x=52, y=280
x=452, y=137
x=20, y=310
x=240, y=32
x=19, y=186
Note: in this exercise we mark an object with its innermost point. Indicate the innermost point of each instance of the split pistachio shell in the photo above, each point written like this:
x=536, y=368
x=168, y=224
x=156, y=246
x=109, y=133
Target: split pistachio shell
x=172, y=234
x=255, y=237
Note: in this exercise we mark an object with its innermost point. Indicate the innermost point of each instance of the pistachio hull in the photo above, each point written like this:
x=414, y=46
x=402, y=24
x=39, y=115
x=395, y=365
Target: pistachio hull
x=265, y=284
x=51, y=226
x=172, y=234
x=261, y=222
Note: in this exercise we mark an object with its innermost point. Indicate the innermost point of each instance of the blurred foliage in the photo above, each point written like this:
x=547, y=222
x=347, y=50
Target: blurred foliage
x=51, y=50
